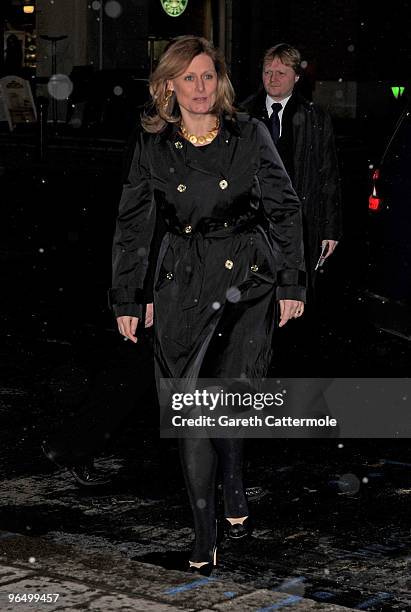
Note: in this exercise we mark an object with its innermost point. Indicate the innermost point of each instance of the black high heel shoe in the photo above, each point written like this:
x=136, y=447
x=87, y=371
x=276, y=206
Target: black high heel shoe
x=206, y=568
x=239, y=531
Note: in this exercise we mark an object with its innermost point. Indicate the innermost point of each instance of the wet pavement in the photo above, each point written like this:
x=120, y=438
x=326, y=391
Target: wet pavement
x=69, y=578
x=334, y=527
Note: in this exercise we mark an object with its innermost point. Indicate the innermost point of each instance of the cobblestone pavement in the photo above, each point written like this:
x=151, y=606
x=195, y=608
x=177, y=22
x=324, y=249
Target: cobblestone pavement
x=65, y=577
x=335, y=532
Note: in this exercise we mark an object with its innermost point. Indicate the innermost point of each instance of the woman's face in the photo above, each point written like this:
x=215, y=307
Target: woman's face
x=196, y=87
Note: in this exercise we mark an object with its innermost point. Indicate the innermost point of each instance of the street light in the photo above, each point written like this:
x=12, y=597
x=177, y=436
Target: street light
x=28, y=9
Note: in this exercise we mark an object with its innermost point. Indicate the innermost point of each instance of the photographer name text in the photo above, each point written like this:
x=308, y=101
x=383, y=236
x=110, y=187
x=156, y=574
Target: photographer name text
x=252, y=421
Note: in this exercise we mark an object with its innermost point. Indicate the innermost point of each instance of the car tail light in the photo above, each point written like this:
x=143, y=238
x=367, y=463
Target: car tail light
x=374, y=203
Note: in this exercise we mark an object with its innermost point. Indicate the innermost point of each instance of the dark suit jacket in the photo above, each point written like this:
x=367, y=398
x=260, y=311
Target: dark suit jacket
x=308, y=151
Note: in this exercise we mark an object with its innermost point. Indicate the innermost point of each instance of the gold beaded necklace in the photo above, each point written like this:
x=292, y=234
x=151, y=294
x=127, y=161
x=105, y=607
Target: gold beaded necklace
x=201, y=140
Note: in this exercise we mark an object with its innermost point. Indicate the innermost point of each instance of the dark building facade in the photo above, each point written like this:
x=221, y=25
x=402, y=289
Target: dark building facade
x=352, y=46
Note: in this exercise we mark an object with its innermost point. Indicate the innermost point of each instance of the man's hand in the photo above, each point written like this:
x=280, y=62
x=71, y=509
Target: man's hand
x=331, y=247
x=290, y=309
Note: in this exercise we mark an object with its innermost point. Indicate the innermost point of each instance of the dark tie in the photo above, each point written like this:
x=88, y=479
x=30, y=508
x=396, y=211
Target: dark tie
x=274, y=122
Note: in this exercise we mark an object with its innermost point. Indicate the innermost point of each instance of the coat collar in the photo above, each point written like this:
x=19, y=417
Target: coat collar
x=256, y=105
x=229, y=127
x=229, y=137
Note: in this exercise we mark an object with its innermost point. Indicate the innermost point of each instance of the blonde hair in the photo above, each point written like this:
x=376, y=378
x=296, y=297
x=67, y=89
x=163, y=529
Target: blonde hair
x=288, y=55
x=176, y=58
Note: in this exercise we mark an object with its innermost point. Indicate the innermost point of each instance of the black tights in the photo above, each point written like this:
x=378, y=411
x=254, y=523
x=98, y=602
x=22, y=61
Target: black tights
x=199, y=459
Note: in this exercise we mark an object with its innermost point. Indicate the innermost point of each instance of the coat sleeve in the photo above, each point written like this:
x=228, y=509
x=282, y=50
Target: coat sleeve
x=133, y=235
x=330, y=204
x=283, y=209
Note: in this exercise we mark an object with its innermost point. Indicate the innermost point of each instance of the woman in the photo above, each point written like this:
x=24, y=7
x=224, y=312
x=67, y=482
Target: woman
x=233, y=247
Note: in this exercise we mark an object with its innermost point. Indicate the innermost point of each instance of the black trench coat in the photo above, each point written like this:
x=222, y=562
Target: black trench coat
x=233, y=247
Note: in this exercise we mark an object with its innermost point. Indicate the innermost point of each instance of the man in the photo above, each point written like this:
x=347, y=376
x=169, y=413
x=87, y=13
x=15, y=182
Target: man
x=304, y=138
x=303, y=135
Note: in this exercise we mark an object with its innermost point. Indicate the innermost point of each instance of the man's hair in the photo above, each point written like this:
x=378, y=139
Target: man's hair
x=288, y=55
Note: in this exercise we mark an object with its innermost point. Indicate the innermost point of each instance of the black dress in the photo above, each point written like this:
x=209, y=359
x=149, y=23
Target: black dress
x=233, y=247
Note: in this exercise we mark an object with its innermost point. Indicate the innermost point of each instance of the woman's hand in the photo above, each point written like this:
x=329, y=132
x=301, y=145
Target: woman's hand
x=290, y=309
x=127, y=325
x=149, y=315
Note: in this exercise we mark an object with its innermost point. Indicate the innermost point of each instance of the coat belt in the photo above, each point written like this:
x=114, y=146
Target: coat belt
x=193, y=257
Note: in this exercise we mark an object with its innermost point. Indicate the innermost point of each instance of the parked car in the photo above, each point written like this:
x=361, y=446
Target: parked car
x=389, y=239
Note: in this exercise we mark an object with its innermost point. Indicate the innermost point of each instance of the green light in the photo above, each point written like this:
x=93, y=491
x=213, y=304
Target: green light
x=397, y=91
x=174, y=8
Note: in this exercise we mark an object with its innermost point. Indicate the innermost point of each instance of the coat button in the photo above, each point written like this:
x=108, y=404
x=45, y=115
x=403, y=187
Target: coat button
x=178, y=144
x=169, y=275
x=254, y=268
x=223, y=184
x=187, y=229
x=181, y=188
x=229, y=264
